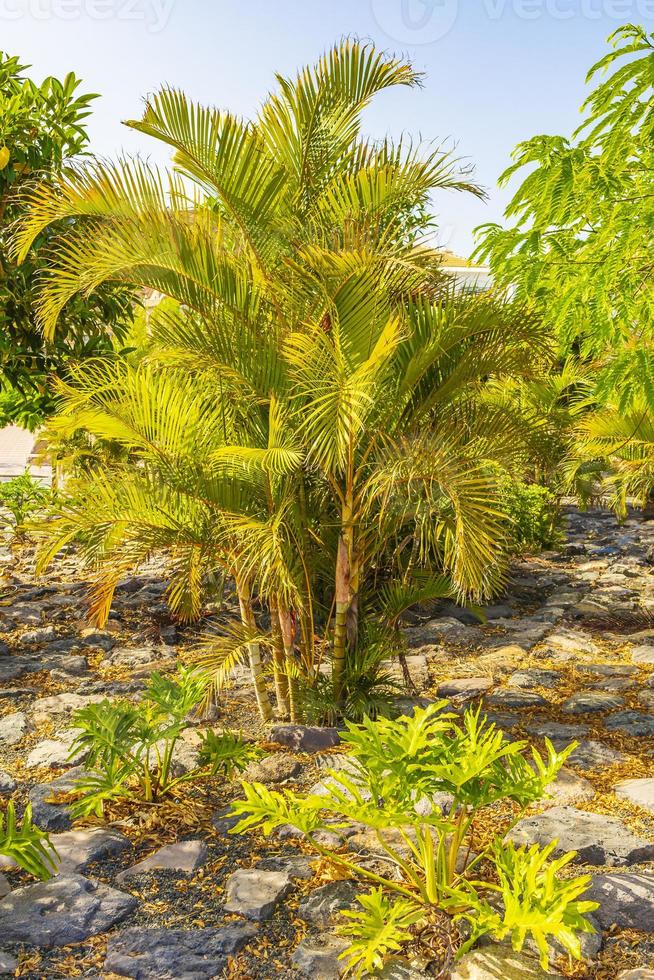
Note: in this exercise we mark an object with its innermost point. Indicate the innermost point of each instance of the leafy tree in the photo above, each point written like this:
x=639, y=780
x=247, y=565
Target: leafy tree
x=307, y=416
x=612, y=459
x=579, y=238
x=41, y=130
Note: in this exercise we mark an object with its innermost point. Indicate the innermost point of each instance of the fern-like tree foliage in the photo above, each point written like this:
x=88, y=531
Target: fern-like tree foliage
x=305, y=417
x=578, y=236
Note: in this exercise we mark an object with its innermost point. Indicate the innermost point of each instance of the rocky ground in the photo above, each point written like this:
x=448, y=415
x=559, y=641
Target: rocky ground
x=163, y=892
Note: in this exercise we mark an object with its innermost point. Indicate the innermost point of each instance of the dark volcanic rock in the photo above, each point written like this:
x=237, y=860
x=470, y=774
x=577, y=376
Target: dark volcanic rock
x=625, y=900
x=305, y=738
x=322, y=905
x=66, y=909
x=596, y=838
x=175, y=954
x=255, y=893
x=631, y=723
x=53, y=816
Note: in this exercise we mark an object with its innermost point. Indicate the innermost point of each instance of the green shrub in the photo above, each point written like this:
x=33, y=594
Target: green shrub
x=369, y=685
x=534, y=514
x=131, y=746
x=399, y=769
x=26, y=844
x=22, y=497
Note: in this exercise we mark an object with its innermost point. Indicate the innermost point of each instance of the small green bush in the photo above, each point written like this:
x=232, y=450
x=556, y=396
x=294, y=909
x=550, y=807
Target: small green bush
x=534, y=514
x=22, y=497
x=369, y=684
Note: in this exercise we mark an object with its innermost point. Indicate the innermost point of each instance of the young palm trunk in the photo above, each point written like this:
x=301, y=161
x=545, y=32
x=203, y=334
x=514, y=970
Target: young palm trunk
x=254, y=652
x=282, y=681
x=286, y=630
x=340, y=625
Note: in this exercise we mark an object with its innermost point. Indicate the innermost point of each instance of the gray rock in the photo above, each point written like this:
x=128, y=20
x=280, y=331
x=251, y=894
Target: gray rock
x=587, y=702
x=92, y=637
x=399, y=969
x=446, y=629
x=596, y=838
x=569, y=787
x=295, y=867
x=637, y=791
x=305, y=738
x=614, y=684
x=55, y=752
x=5, y=887
x=275, y=768
x=7, y=783
x=634, y=723
x=406, y=706
x=139, y=656
x=643, y=654
x=24, y=613
x=498, y=611
x=8, y=963
x=76, y=849
x=14, y=693
x=53, y=816
x=65, y=645
x=465, y=687
x=646, y=700
x=13, y=728
x=317, y=957
x=609, y=670
x=570, y=641
x=42, y=635
x=626, y=901
x=254, y=893
x=184, y=857
x=417, y=667
x=561, y=734
x=591, y=754
x=322, y=905
x=637, y=974
x=224, y=820
x=175, y=954
x=495, y=962
x=12, y=668
x=67, y=909
x=61, y=705
x=534, y=677
x=515, y=698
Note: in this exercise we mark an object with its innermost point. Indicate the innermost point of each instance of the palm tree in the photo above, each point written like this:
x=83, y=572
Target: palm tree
x=307, y=412
x=613, y=457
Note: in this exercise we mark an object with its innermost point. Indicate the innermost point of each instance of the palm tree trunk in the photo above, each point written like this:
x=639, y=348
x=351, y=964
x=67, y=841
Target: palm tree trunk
x=282, y=681
x=286, y=629
x=340, y=623
x=254, y=651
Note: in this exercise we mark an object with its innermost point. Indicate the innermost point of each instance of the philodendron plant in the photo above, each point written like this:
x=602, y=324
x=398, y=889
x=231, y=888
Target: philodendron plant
x=130, y=748
x=421, y=786
x=25, y=844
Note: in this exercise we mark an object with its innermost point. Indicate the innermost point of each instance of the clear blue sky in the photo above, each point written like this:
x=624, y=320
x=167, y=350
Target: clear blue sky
x=497, y=71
